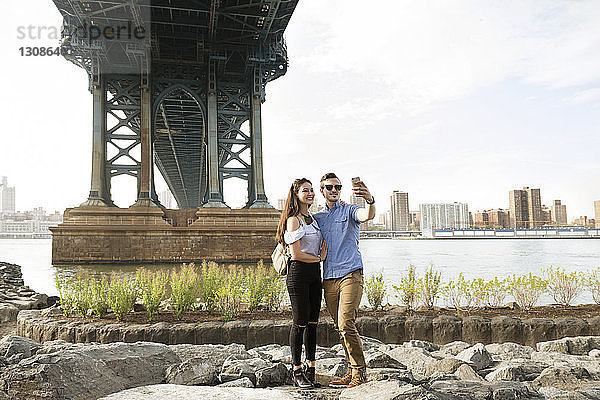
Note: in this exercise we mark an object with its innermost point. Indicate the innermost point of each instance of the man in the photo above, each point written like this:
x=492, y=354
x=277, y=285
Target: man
x=343, y=270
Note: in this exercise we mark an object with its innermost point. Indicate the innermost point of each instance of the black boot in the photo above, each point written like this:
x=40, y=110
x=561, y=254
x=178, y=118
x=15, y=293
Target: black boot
x=300, y=379
x=310, y=375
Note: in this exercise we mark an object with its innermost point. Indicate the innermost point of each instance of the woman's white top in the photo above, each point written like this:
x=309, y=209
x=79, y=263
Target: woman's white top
x=309, y=236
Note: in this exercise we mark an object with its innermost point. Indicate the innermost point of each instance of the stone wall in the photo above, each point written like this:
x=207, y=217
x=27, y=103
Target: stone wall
x=42, y=326
x=110, y=234
x=14, y=295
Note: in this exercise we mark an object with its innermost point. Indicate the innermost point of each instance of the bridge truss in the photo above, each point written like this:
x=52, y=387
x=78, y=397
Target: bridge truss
x=178, y=84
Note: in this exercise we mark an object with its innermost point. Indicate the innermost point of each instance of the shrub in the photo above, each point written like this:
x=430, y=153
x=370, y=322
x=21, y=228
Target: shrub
x=64, y=287
x=122, y=294
x=211, y=279
x=277, y=290
x=479, y=290
x=153, y=289
x=458, y=293
x=430, y=285
x=408, y=288
x=376, y=289
x=99, y=291
x=496, y=292
x=592, y=281
x=183, y=289
x=229, y=295
x=257, y=286
x=82, y=293
x=526, y=289
x=563, y=286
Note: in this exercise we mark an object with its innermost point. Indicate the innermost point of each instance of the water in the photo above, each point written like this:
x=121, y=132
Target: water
x=483, y=258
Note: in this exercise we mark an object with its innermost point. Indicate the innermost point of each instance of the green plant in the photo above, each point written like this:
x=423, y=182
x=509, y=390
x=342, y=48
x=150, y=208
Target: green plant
x=430, y=285
x=458, y=293
x=408, y=290
x=564, y=286
x=153, y=289
x=496, y=292
x=592, y=281
x=211, y=279
x=526, y=289
x=122, y=293
x=64, y=287
x=99, y=291
x=82, y=293
x=229, y=295
x=184, y=287
x=376, y=289
x=479, y=290
x=277, y=290
x=257, y=286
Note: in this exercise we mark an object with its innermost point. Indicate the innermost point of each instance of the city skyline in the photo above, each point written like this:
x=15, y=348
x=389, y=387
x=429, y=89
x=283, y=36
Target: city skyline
x=473, y=96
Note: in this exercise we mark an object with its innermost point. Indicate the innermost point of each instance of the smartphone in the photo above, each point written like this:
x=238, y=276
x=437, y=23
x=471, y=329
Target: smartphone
x=355, y=181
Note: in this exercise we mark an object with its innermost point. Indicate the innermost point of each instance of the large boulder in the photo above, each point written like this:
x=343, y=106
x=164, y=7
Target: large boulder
x=178, y=392
x=580, y=345
x=482, y=391
x=90, y=371
x=509, y=350
x=15, y=348
x=416, y=359
x=564, y=378
x=214, y=354
x=192, y=372
x=235, y=369
x=477, y=356
x=389, y=390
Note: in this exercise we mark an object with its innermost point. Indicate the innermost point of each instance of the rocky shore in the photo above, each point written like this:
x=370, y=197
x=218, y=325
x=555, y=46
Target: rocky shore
x=565, y=369
x=15, y=296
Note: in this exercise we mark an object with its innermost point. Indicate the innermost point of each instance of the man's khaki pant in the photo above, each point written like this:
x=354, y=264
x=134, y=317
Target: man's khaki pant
x=342, y=297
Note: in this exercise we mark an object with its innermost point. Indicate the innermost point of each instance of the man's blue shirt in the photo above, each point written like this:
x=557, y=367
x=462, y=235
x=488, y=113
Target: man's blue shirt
x=340, y=228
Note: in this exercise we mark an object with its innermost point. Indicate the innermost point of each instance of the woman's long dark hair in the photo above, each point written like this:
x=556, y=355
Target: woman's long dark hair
x=291, y=208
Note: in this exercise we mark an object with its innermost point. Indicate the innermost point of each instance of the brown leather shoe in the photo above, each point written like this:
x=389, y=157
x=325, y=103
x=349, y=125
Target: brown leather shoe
x=357, y=380
x=343, y=381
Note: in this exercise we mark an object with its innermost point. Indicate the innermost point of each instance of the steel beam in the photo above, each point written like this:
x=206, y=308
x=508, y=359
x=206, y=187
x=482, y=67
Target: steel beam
x=257, y=183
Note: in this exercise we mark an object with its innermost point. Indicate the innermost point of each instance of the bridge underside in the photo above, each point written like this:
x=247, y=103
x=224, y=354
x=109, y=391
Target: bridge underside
x=176, y=84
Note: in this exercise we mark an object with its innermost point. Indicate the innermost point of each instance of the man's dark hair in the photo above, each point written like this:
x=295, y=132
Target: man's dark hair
x=329, y=175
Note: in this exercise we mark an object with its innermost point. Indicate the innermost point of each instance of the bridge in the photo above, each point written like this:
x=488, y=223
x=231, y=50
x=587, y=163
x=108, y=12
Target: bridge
x=177, y=84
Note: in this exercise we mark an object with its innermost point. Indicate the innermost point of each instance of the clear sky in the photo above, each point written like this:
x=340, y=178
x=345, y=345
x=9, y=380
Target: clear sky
x=448, y=100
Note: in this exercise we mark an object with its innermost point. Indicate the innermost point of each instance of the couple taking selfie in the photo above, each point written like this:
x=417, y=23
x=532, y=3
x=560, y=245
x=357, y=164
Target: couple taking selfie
x=329, y=236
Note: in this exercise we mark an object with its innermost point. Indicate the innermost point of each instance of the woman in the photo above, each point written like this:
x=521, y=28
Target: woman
x=298, y=229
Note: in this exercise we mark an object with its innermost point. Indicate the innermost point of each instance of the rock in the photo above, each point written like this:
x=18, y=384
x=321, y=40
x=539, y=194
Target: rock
x=481, y=391
x=422, y=344
x=15, y=348
x=274, y=375
x=8, y=312
x=580, y=345
x=192, y=372
x=528, y=369
x=506, y=373
x=387, y=390
x=562, y=378
x=177, y=392
x=416, y=359
x=466, y=373
x=476, y=355
x=456, y=347
x=569, y=361
x=594, y=353
x=87, y=371
x=213, y=354
x=381, y=374
x=446, y=366
x=508, y=350
x=242, y=382
x=369, y=343
x=235, y=369
x=277, y=353
x=377, y=359
x=331, y=367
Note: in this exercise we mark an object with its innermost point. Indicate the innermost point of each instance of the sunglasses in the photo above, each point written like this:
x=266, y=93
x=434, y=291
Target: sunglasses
x=330, y=187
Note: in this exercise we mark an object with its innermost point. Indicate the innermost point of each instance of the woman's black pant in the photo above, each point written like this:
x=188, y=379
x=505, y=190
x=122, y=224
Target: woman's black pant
x=304, y=288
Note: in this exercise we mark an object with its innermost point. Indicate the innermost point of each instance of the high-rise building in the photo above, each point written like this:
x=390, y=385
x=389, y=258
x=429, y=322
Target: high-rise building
x=280, y=204
x=525, y=208
x=415, y=221
x=443, y=216
x=494, y=219
x=7, y=197
x=166, y=199
x=559, y=213
x=400, y=212
x=597, y=211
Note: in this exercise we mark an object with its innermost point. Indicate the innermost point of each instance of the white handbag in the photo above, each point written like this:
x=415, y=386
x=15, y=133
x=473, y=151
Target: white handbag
x=281, y=259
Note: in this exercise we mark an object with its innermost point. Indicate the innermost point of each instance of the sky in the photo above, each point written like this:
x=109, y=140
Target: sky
x=446, y=100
